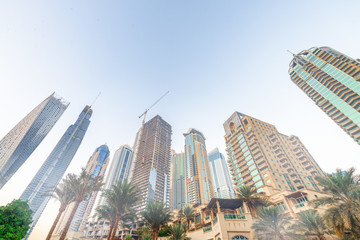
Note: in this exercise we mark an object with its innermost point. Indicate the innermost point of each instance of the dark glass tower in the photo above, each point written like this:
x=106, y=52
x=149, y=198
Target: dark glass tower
x=53, y=169
x=332, y=80
x=23, y=139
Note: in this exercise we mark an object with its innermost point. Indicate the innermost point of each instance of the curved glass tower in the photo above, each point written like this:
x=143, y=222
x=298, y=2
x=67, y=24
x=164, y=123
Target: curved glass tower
x=332, y=80
x=23, y=139
x=53, y=169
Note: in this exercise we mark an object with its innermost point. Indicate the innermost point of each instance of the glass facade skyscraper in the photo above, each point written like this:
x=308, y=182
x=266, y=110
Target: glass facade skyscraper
x=23, y=139
x=53, y=169
x=220, y=172
x=96, y=166
x=119, y=168
x=332, y=80
x=199, y=180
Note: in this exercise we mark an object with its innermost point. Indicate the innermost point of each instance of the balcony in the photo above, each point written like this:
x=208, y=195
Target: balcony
x=309, y=167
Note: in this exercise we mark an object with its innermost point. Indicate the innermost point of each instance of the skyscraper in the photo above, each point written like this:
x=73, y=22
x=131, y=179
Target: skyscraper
x=178, y=184
x=152, y=162
x=119, y=168
x=51, y=172
x=332, y=80
x=261, y=157
x=220, y=172
x=199, y=185
x=23, y=139
x=96, y=166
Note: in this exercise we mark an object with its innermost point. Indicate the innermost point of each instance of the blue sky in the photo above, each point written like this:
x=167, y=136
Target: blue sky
x=215, y=57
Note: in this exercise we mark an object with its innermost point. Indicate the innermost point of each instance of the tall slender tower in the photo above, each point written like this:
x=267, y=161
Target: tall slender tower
x=199, y=185
x=220, y=172
x=96, y=166
x=332, y=80
x=23, y=139
x=152, y=162
x=261, y=157
x=178, y=184
x=51, y=172
x=119, y=168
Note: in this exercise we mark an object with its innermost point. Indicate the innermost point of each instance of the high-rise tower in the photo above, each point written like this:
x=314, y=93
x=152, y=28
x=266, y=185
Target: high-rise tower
x=152, y=162
x=199, y=185
x=96, y=166
x=220, y=172
x=23, y=139
x=51, y=172
x=332, y=80
x=119, y=168
x=178, y=184
x=261, y=157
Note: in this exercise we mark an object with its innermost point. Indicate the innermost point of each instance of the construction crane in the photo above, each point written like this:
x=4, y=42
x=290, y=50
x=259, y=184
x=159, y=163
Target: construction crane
x=146, y=110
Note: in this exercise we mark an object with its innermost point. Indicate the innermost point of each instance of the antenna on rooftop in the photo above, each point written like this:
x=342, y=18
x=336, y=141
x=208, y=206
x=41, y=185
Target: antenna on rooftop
x=95, y=99
x=291, y=53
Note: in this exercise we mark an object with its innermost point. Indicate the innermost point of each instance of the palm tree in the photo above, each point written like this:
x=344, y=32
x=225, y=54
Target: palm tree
x=271, y=224
x=82, y=186
x=344, y=198
x=178, y=232
x=156, y=215
x=187, y=212
x=65, y=196
x=252, y=199
x=108, y=213
x=122, y=196
x=309, y=224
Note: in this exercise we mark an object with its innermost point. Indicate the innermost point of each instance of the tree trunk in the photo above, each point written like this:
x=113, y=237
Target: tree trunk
x=154, y=234
x=115, y=229
x=67, y=226
x=61, y=210
x=110, y=231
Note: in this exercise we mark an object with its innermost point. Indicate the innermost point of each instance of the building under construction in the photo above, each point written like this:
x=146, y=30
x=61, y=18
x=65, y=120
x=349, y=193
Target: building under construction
x=151, y=172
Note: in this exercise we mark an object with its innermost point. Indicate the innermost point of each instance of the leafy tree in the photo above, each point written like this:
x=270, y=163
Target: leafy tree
x=122, y=197
x=129, y=237
x=271, y=224
x=15, y=220
x=144, y=232
x=178, y=232
x=65, y=196
x=252, y=199
x=309, y=224
x=344, y=201
x=165, y=231
x=82, y=186
x=187, y=212
x=156, y=215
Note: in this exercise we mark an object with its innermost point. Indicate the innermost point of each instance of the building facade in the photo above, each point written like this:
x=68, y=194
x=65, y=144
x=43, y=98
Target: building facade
x=96, y=166
x=259, y=156
x=199, y=185
x=23, y=139
x=53, y=169
x=119, y=168
x=151, y=172
x=332, y=80
x=221, y=176
x=178, y=184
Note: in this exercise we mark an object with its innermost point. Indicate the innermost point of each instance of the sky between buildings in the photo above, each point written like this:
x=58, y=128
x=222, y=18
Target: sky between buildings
x=215, y=57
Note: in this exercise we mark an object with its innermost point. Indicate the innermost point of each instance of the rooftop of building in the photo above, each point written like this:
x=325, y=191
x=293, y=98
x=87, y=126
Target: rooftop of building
x=195, y=131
